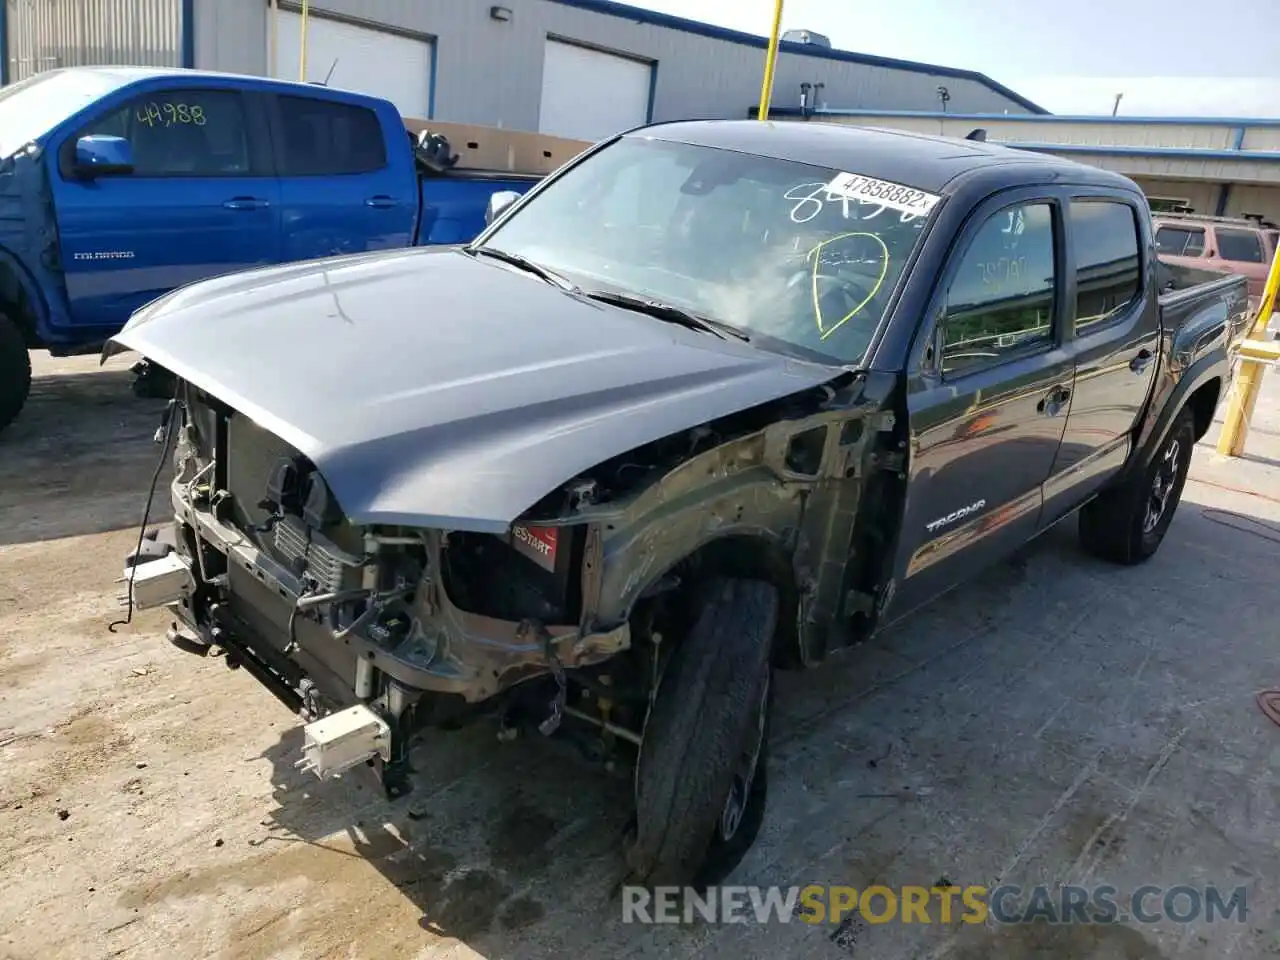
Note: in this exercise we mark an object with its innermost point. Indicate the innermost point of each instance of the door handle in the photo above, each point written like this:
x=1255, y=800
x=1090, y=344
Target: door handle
x=1053, y=402
x=246, y=203
x=1141, y=361
x=382, y=201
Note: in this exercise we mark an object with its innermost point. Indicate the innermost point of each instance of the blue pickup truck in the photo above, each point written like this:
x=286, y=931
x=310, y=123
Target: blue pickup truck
x=118, y=184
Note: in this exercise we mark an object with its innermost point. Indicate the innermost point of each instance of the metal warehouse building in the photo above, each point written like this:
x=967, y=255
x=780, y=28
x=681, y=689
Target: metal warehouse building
x=576, y=68
x=1207, y=165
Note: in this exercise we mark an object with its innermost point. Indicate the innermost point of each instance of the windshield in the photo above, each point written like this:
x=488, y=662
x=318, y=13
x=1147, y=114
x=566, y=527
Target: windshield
x=34, y=106
x=803, y=256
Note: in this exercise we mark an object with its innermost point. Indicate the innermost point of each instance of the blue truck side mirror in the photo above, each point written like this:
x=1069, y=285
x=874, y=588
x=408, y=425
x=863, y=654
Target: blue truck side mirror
x=498, y=203
x=101, y=154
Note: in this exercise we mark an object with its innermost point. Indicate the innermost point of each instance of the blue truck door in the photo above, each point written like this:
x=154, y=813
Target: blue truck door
x=202, y=200
x=345, y=185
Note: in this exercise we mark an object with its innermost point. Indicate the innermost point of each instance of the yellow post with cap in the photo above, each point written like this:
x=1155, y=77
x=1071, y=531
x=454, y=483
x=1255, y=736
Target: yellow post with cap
x=1256, y=354
x=302, y=44
x=770, y=62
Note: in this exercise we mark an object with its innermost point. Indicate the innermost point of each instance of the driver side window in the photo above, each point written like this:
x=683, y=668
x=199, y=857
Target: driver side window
x=179, y=133
x=1001, y=299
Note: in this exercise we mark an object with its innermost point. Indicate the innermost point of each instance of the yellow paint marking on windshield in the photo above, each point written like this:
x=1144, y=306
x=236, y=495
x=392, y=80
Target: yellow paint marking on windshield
x=816, y=253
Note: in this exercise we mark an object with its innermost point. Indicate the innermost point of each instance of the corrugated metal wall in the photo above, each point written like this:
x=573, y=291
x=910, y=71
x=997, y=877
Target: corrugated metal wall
x=490, y=72
x=1227, y=166
x=1073, y=131
x=1200, y=195
x=1254, y=199
x=44, y=34
x=1204, y=197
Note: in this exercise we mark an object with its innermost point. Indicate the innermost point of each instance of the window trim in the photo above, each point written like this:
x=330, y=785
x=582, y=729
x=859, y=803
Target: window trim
x=1246, y=231
x=1189, y=228
x=1120, y=313
x=66, y=164
x=278, y=151
x=931, y=365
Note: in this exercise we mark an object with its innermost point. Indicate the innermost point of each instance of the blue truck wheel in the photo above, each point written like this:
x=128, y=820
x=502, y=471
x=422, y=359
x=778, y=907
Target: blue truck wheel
x=15, y=371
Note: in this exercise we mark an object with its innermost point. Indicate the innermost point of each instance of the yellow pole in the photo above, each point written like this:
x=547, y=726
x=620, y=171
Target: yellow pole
x=273, y=27
x=770, y=62
x=1248, y=382
x=302, y=46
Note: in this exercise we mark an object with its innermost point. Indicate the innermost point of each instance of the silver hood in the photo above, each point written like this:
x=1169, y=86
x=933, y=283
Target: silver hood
x=434, y=389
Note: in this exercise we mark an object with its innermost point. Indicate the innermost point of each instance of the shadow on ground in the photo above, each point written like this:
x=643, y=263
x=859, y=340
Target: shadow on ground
x=78, y=459
x=481, y=860
x=1258, y=458
x=1053, y=682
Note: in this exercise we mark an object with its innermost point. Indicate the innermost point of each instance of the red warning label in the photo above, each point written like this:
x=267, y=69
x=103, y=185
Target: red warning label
x=537, y=543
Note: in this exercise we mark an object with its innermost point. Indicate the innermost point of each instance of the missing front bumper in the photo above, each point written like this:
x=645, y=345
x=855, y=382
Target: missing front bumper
x=452, y=652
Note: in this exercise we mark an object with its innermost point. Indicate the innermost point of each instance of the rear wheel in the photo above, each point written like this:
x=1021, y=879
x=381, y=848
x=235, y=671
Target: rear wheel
x=15, y=371
x=1127, y=523
x=701, y=778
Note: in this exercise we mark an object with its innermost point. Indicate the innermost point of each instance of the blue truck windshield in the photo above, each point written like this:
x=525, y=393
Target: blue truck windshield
x=33, y=107
x=802, y=255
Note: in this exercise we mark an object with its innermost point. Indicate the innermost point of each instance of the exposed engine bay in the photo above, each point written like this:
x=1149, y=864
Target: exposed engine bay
x=373, y=632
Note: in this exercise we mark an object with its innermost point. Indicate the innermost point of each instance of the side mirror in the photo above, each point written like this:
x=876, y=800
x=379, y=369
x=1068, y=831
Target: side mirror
x=499, y=203
x=101, y=154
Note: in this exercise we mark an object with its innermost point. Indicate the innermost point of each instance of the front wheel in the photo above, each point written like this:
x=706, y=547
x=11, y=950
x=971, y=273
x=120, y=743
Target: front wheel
x=15, y=371
x=701, y=777
x=1127, y=523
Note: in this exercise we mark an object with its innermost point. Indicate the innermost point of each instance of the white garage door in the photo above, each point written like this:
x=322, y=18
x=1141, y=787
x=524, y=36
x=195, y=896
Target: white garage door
x=369, y=61
x=591, y=95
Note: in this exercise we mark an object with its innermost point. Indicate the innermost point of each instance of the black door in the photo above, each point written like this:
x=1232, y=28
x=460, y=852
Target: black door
x=1114, y=339
x=988, y=407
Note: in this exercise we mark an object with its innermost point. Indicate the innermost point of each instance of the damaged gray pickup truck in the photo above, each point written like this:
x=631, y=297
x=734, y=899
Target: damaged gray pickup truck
x=715, y=399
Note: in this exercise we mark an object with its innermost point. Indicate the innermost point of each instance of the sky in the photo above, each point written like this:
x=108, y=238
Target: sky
x=1168, y=57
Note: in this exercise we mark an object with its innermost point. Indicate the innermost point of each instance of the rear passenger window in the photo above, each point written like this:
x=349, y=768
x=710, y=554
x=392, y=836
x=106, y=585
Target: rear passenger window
x=1001, y=299
x=323, y=138
x=1104, y=239
x=1180, y=241
x=1242, y=245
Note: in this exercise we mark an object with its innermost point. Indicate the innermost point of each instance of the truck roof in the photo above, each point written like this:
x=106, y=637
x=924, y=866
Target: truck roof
x=122, y=75
x=918, y=160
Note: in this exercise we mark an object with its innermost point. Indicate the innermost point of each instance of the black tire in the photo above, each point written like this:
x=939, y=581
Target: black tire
x=15, y=371
x=705, y=742
x=1126, y=524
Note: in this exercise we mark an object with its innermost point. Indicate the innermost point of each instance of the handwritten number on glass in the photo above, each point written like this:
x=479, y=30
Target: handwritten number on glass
x=169, y=114
x=810, y=199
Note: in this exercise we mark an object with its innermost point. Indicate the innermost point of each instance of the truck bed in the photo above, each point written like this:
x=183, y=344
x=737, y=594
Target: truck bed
x=1201, y=303
x=453, y=206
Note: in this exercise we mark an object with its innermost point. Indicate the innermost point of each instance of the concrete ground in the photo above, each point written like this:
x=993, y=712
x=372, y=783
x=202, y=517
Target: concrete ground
x=1056, y=721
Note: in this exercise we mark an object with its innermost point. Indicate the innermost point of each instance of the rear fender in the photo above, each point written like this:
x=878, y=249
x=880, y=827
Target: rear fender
x=1172, y=393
